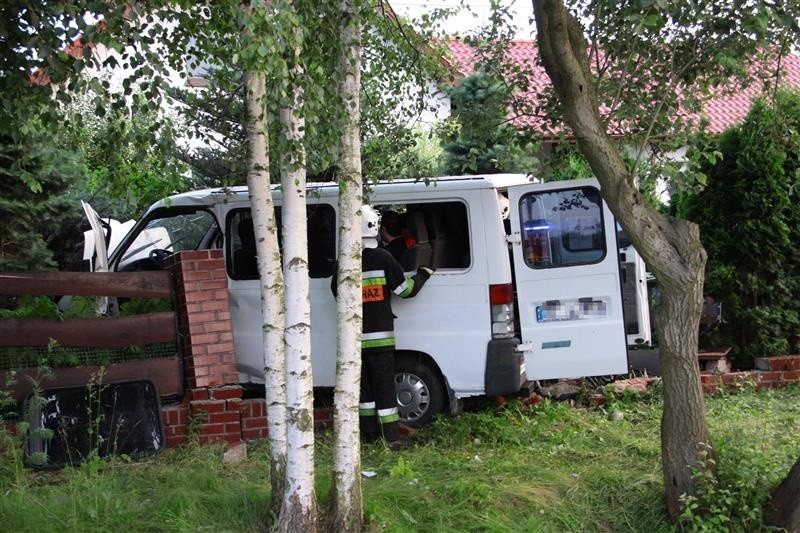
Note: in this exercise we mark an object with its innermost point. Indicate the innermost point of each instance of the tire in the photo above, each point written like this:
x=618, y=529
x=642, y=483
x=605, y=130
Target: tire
x=420, y=392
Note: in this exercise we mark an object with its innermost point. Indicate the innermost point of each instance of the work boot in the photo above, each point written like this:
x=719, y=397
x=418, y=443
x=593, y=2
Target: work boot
x=399, y=444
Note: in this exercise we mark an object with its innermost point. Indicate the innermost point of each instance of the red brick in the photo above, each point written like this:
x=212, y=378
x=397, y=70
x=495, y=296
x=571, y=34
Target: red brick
x=736, y=377
x=207, y=338
x=230, y=377
x=767, y=377
x=173, y=416
x=205, y=381
x=176, y=431
x=201, y=371
x=224, y=315
x=219, y=274
x=215, y=305
x=207, y=360
x=792, y=375
x=217, y=326
x=709, y=388
x=223, y=418
x=211, y=264
x=225, y=393
x=211, y=284
x=255, y=407
x=233, y=428
x=221, y=294
x=784, y=362
x=195, y=255
x=199, y=296
x=225, y=336
x=259, y=433
x=175, y=442
x=254, y=423
x=208, y=406
x=202, y=317
x=195, y=308
x=212, y=429
x=220, y=347
x=199, y=394
x=198, y=275
x=216, y=253
x=195, y=328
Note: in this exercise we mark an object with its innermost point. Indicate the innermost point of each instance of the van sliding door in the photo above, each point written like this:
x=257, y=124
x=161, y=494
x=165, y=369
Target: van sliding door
x=568, y=281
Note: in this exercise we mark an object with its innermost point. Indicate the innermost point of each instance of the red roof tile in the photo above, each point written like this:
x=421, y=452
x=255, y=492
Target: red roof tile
x=722, y=111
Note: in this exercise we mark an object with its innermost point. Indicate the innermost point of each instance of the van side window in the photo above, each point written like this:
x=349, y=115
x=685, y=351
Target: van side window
x=562, y=228
x=436, y=234
x=241, y=243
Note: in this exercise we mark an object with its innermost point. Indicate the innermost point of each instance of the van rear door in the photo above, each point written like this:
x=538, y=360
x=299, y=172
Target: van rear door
x=567, y=280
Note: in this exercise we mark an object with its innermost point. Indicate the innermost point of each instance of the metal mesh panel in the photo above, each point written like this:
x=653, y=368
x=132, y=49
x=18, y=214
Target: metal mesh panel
x=17, y=357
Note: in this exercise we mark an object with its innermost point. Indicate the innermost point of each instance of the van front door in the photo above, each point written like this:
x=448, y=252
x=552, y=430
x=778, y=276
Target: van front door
x=567, y=280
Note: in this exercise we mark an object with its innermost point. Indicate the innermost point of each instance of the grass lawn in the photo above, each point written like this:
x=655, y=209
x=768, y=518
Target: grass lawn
x=511, y=468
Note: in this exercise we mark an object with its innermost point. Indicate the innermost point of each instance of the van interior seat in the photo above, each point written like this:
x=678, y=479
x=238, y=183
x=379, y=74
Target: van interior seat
x=419, y=254
x=244, y=258
x=439, y=244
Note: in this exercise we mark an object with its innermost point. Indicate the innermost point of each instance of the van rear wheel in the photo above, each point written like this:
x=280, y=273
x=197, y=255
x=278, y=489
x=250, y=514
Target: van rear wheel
x=420, y=394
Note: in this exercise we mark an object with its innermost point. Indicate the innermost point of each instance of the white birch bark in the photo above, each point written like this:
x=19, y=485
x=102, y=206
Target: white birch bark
x=299, y=512
x=269, y=269
x=346, y=498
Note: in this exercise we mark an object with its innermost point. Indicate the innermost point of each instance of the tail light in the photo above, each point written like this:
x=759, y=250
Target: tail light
x=501, y=300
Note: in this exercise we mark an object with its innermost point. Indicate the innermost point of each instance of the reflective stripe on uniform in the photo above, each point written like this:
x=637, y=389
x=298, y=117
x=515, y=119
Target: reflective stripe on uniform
x=366, y=409
x=387, y=416
x=378, y=343
x=374, y=274
x=377, y=339
x=405, y=288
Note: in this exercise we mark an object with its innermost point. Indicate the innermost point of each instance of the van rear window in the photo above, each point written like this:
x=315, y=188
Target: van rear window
x=562, y=228
x=241, y=244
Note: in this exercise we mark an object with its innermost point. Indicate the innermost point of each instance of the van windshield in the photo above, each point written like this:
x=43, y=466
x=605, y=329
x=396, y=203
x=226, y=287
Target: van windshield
x=173, y=231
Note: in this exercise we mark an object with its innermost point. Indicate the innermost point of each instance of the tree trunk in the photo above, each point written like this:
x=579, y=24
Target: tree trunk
x=271, y=277
x=784, y=511
x=299, y=512
x=670, y=247
x=346, y=512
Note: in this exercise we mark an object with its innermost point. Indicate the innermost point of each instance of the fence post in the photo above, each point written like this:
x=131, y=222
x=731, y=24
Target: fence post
x=204, y=318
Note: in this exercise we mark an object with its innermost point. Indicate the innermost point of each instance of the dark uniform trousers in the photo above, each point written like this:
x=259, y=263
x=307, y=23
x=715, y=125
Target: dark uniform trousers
x=378, y=408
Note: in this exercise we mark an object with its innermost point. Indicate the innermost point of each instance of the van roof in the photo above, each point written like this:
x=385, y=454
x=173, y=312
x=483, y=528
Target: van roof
x=446, y=183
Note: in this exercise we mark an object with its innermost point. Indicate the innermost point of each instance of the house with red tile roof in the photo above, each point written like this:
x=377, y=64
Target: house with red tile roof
x=722, y=111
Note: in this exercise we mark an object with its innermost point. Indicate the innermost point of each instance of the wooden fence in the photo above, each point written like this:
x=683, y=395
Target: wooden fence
x=103, y=332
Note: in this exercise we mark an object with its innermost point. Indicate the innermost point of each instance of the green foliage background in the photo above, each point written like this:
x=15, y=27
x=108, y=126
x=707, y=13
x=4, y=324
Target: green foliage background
x=749, y=216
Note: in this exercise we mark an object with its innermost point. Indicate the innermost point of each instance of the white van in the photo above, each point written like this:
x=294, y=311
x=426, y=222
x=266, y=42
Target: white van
x=528, y=284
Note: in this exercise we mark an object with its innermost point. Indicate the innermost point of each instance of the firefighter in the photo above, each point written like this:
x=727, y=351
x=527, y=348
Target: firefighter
x=381, y=275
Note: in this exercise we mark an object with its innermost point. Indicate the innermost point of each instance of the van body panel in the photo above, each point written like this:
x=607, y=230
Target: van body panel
x=567, y=280
x=570, y=315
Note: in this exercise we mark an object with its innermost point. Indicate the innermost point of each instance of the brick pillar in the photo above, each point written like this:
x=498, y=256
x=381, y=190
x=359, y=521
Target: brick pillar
x=204, y=316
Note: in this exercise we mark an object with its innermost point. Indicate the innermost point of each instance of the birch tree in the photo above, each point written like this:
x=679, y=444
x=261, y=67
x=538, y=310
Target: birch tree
x=268, y=256
x=346, y=513
x=298, y=512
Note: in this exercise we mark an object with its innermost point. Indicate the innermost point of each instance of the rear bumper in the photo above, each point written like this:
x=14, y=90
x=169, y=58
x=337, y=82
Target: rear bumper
x=505, y=367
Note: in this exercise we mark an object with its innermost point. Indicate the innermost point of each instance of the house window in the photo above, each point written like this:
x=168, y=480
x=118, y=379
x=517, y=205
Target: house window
x=562, y=228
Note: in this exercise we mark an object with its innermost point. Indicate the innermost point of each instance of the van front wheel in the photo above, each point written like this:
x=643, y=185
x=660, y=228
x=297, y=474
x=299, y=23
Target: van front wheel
x=420, y=394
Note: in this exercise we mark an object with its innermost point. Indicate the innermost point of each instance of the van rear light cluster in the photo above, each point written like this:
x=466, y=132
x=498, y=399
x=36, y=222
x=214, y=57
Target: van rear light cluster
x=501, y=298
